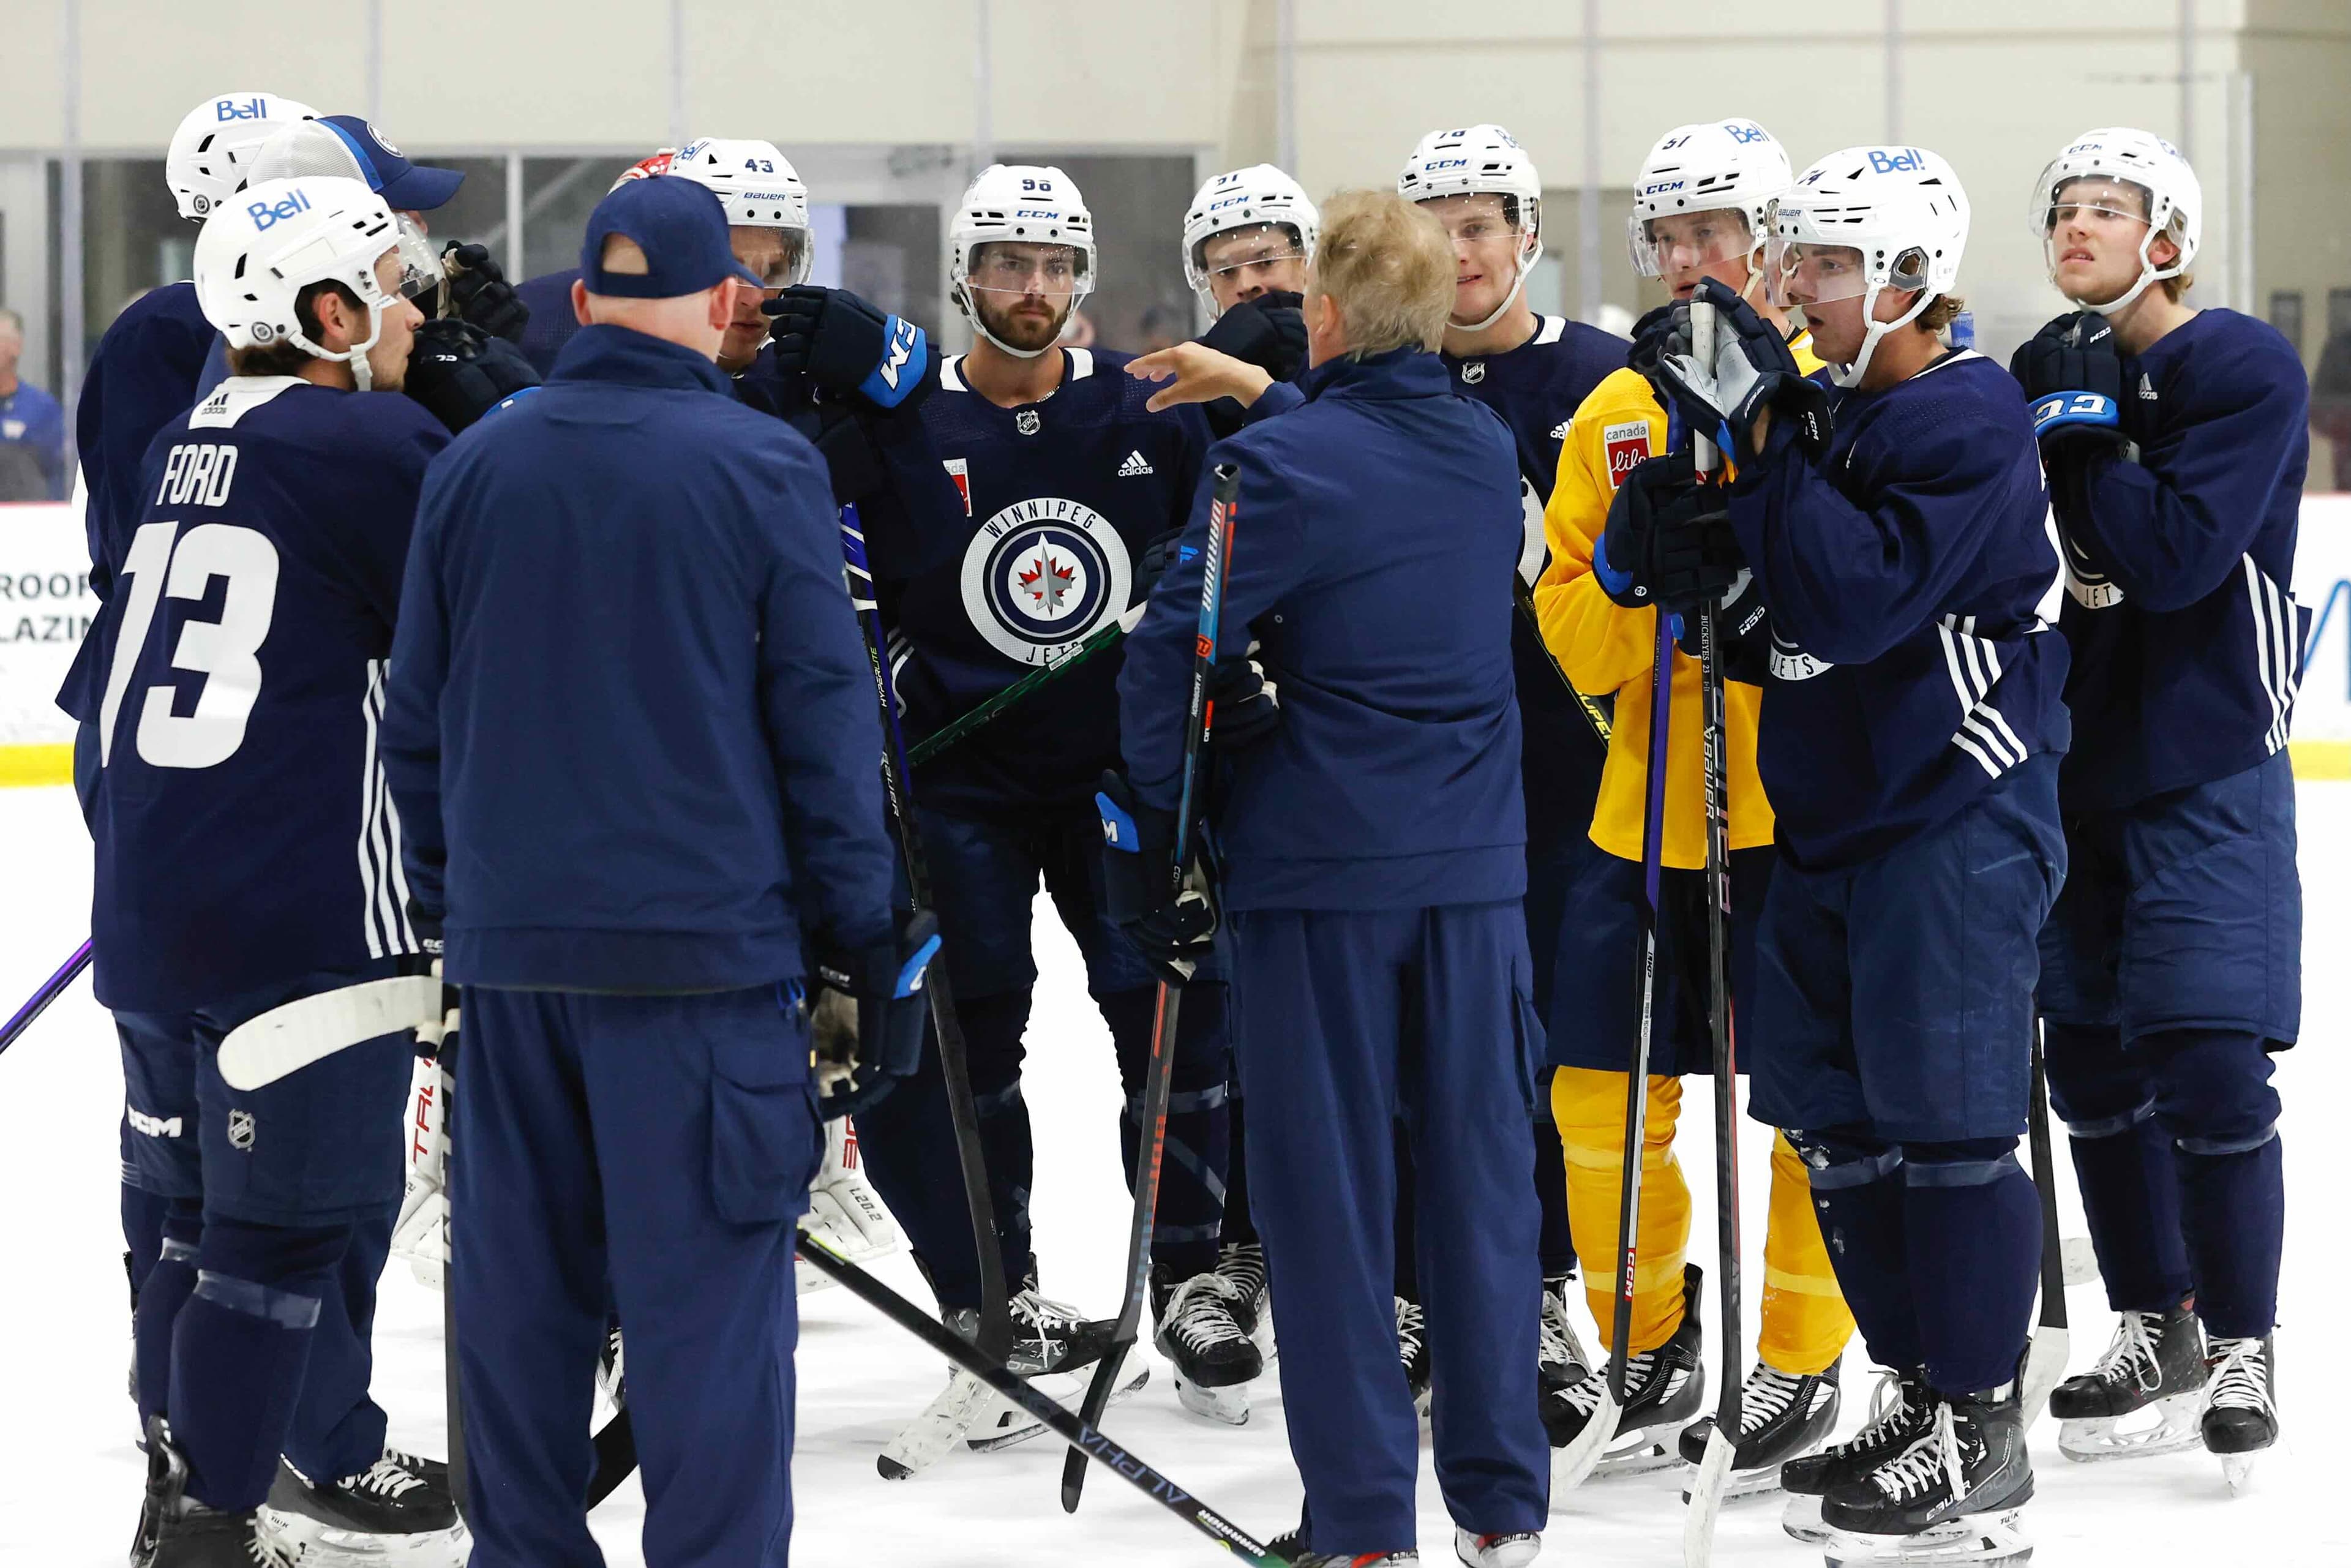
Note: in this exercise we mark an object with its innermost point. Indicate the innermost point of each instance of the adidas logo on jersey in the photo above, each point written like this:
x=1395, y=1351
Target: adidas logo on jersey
x=2145, y=387
x=1558, y=431
x=1135, y=466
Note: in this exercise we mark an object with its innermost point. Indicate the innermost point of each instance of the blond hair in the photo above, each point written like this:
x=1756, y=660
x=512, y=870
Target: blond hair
x=1388, y=266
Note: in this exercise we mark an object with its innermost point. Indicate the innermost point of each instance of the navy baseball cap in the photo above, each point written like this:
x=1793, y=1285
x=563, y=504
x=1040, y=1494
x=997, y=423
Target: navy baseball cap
x=348, y=146
x=681, y=227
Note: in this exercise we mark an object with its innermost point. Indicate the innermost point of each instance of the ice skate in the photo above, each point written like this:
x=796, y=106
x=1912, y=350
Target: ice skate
x=2142, y=1398
x=1952, y=1496
x=1243, y=1263
x=1561, y=1359
x=1664, y=1389
x=2240, y=1414
x=1200, y=1332
x=1412, y=1349
x=1047, y=1336
x=1286, y=1547
x=1900, y=1410
x=1782, y=1417
x=175, y=1531
x=392, y=1512
x=1513, y=1550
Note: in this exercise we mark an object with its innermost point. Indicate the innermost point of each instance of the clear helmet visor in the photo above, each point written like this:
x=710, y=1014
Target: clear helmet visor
x=1254, y=254
x=1686, y=242
x=781, y=257
x=420, y=268
x=2095, y=199
x=1799, y=273
x=1015, y=270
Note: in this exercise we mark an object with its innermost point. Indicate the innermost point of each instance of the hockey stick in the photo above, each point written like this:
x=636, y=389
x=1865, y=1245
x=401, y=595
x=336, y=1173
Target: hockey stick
x=931, y=1434
x=939, y=739
x=292, y=1035
x=1577, y=1459
x=2044, y=1363
x=37, y=1003
x=1723, y=1444
x=1151, y=1144
x=1594, y=715
x=1242, y=1546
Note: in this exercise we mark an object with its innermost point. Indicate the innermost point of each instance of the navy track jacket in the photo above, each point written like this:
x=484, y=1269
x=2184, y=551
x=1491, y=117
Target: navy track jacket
x=629, y=706
x=1378, y=528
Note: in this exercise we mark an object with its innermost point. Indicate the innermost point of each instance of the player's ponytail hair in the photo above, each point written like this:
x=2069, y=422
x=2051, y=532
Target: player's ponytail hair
x=1945, y=310
x=1388, y=265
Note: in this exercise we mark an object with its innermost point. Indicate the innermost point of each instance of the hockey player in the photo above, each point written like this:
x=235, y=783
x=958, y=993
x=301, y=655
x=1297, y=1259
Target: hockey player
x=1063, y=482
x=1535, y=372
x=628, y=864
x=2176, y=440
x=1249, y=236
x=1373, y=874
x=227, y=882
x=1909, y=735
x=1702, y=208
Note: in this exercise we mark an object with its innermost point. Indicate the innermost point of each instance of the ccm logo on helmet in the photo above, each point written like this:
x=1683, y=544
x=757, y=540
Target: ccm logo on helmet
x=267, y=215
x=1908, y=160
x=227, y=108
x=1450, y=163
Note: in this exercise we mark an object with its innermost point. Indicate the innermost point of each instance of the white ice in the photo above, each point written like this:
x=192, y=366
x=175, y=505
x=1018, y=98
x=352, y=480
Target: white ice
x=70, y=1478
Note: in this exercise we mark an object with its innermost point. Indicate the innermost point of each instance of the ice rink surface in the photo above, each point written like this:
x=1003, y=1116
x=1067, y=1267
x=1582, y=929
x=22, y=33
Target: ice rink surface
x=69, y=1479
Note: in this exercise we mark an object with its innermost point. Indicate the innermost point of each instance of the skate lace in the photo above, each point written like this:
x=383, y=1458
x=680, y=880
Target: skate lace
x=1890, y=1408
x=264, y=1550
x=1410, y=1324
x=1040, y=1317
x=1934, y=1457
x=1766, y=1397
x=386, y=1478
x=2240, y=1375
x=1200, y=1312
x=1243, y=1263
x=1585, y=1395
x=1558, y=1344
x=2132, y=1357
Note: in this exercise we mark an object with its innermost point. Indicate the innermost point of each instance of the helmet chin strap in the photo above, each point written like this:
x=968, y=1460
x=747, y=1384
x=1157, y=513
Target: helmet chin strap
x=356, y=356
x=980, y=325
x=1851, y=375
x=2149, y=273
x=1527, y=260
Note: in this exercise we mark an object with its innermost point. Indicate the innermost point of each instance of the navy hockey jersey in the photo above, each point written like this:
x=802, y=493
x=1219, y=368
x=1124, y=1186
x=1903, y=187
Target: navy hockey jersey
x=243, y=833
x=2187, y=643
x=1059, y=500
x=1537, y=387
x=1912, y=578
x=552, y=320
x=142, y=377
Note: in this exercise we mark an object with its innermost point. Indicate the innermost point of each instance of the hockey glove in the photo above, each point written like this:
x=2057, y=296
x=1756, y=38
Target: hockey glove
x=1269, y=332
x=1753, y=370
x=479, y=290
x=1668, y=540
x=1661, y=331
x=1743, y=632
x=2072, y=370
x=845, y=345
x=1173, y=931
x=1245, y=708
x=460, y=373
x=866, y=1012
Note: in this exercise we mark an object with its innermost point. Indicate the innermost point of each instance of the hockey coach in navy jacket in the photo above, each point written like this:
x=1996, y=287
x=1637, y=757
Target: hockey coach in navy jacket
x=1373, y=840
x=632, y=738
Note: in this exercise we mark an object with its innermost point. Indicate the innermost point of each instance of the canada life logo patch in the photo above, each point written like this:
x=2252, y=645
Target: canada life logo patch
x=959, y=472
x=1042, y=575
x=1627, y=446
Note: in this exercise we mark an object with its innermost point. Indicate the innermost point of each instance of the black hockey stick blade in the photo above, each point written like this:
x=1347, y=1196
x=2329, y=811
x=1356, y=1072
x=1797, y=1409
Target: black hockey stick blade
x=38, y=1002
x=1133, y=1467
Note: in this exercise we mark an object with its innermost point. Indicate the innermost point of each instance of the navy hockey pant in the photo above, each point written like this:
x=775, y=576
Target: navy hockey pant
x=652, y=1152
x=253, y=1331
x=987, y=876
x=1346, y=1026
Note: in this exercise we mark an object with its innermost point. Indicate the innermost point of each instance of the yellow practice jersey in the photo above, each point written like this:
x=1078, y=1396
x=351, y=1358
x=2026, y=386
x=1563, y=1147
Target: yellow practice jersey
x=1604, y=648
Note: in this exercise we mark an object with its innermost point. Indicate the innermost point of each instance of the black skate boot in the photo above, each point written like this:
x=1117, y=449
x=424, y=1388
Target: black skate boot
x=1047, y=1336
x=1665, y=1388
x=2239, y=1417
x=1782, y=1415
x=1200, y=1332
x=1286, y=1546
x=1243, y=1263
x=175, y=1531
x=1412, y=1349
x=1901, y=1410
x=1952, y=1496
x=385, y=1508
x=1561, y=1359
x=2156, y=1365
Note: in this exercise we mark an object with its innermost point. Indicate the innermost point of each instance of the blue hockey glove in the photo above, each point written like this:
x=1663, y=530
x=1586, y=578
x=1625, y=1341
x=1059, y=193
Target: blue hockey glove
x=1668, y=540
x=847, y=346
x=2072, y=370
x=460, y=373
x=1173, y=932
x=1244, y=707
x=865, y=1015
x=1753, y=370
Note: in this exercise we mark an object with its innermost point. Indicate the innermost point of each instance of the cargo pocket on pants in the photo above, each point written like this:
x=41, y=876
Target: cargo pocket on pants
x=767, y=1138
x=1533, y=1047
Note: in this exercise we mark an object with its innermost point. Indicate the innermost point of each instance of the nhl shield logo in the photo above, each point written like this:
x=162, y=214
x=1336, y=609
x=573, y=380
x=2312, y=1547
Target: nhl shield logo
x=1040, y=575
x=1473, y=372
x=240, y=1131
x=1027, y=422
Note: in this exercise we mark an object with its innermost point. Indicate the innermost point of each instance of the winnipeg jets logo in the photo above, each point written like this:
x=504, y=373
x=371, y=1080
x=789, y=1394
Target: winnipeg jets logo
x=1027, y=422
x=1040, y=575
x=240, y=1131
x=1135, y=466
x=1473, y=372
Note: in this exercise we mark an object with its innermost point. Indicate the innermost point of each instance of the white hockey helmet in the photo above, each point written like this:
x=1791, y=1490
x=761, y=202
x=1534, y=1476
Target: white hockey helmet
x=1901, y=208
x=759, y=189
x=1245, y=198
x=257, y=254
x=1029, y=202
x=1480, y=160
x=1728, y=165
x=212, y=150
x=2171, y=198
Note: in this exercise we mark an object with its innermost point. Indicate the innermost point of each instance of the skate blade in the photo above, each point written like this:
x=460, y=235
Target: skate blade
x=1801, y=1520
x=2237, y=1470
x=1744, y=1486
x=1013, y=1426
x=1229, y=1405
x=1645, y=1452
x=1977, y=1541
x=2167, y=1426
x=314, y=1544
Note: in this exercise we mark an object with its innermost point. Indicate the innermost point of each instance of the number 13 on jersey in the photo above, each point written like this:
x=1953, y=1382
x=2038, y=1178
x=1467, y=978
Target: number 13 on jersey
x=224, y=652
